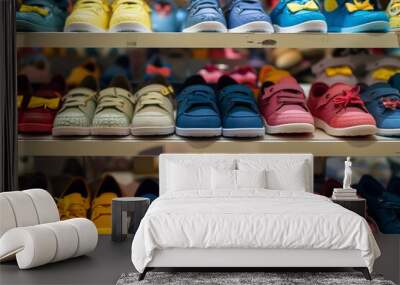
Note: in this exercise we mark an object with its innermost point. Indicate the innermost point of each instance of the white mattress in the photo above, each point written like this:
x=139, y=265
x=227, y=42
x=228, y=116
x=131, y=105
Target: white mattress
x=262, y=219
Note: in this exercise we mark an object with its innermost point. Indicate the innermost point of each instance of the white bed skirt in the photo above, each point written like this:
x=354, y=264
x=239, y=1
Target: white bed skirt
x=189, y=257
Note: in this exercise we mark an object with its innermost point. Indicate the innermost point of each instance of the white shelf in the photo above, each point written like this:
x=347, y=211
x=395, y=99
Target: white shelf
x=209, y=40
x=318, y=144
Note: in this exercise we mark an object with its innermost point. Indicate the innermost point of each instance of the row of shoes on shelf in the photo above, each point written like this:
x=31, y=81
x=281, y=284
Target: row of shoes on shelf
x=291, y=16
x=234, y=107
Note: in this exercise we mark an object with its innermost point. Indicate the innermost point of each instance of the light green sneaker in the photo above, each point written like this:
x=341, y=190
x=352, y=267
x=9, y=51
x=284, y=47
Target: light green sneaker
x=77, y=111
x=114, y=110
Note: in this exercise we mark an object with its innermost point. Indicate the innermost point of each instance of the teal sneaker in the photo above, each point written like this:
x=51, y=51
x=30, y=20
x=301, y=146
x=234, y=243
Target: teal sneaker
x=354, y=16
x=77, y=111
x=40, y=16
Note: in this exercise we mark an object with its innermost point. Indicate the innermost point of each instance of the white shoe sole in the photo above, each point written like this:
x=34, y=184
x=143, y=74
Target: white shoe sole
x=388, y=132
x=212, y=26
x=253, y=27
x=244, y=133
x=83, y=27
x=197, y=132
x=309, y=26
x=361, y=130
x=110, y=131
x=129, y=27
x=71, y=131
x=294, y=128
x=368, y=27
x=153, y=131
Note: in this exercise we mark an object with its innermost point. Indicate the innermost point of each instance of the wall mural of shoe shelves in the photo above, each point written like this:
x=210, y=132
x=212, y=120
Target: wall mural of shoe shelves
x=209, y=40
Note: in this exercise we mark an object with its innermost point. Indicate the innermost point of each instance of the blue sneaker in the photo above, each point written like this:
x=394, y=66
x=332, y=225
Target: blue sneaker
x=240, y=114
x=354, y=16
x=244, y=16
x=383, y=102
x=40, y=16
x=296, y=16
x=204, y=16
x=164, y=17
x=197, y=112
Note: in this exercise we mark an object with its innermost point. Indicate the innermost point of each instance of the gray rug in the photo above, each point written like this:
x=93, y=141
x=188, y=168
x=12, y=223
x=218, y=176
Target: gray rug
x=243, y=278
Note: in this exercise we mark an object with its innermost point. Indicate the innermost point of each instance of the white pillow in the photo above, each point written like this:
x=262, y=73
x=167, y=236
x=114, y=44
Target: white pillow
x=251, y=178
x=185, y=175
x=225, y=179
x=288, y=174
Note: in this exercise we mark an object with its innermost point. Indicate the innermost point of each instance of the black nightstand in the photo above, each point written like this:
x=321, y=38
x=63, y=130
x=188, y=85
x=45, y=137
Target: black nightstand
x=357, y=205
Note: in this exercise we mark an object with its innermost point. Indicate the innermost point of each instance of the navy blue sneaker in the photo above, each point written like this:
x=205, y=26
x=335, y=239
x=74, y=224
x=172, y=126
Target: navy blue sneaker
x=240, y=114
x=245, y=16
x=197, y=112
x=205, y=16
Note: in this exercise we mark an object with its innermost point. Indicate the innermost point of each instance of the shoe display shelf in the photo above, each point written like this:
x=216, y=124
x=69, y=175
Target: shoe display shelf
x=319, y=143
x=209, y=40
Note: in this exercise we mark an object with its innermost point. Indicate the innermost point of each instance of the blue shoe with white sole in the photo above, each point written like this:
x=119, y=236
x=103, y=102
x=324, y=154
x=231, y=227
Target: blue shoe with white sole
x=383, y=102
x=240, y=114
x=295, y=16
x=354, y=16
x=197, y=112
x=205, y=16
x=244, y=16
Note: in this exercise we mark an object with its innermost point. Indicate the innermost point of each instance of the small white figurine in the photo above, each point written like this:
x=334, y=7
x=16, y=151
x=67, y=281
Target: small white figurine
x=347, y=174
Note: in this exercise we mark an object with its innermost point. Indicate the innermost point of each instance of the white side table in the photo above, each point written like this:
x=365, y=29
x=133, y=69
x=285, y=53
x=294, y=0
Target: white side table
x=127, y=212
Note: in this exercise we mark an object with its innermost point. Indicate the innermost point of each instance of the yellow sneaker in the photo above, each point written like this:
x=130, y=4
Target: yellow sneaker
x=130, y=16
x=101, y=205
x=75, y=201
x=88, y=16
x=393, y=11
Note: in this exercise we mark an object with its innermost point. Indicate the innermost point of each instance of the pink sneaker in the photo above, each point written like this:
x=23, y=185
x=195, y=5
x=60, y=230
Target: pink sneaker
x=211, y=73
x=339, y=110
x=283, y=106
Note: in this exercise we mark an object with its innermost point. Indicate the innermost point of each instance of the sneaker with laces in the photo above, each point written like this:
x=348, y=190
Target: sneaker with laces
x=205, y=16
x=130, y=16
x=244, y=16
x=114, y=109
x=339, y=110
x=89, y=16
x=154, y=111
x=74, y=202
x=284, y=107
x=354, y=16
x=77, y=111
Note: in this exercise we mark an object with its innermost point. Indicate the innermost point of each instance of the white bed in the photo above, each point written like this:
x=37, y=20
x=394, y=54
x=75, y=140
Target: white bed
x=198, y=223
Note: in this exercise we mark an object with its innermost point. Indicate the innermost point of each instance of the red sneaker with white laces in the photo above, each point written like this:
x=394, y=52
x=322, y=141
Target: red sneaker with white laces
x=339, y=110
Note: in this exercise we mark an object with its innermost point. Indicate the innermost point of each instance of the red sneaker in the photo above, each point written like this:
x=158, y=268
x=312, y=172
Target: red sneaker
x=339, y=110
x=284, y=108
x=37, y=111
